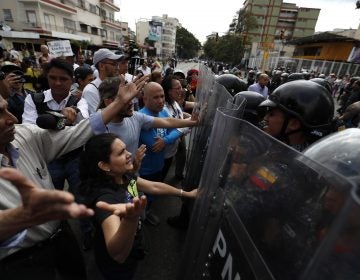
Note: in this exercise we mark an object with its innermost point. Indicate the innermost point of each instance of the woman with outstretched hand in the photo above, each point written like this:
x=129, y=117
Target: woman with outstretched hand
x=107, y=183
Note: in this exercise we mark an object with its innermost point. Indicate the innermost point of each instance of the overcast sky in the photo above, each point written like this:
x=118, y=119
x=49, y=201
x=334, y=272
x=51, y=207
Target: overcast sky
x=202, y=17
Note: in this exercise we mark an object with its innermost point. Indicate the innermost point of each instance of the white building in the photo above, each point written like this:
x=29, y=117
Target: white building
x=165, y=45
x=36, y=22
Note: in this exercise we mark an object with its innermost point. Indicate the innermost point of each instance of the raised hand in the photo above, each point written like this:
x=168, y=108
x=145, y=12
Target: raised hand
x=125, y=210
x=39, y=205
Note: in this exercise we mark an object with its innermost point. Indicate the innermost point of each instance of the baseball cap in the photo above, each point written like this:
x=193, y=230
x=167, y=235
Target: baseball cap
x=102, y=54
x=8, y=67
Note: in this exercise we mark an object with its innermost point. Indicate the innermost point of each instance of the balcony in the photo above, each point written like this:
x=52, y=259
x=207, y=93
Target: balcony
x=105, y=21
x=34, y=27
x=62, y=5
x=110, y=43
x=110, y=4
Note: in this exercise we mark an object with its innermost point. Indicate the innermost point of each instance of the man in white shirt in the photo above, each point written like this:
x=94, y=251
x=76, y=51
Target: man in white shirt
x=144, y=68
x=261, y=85
x=107, y=64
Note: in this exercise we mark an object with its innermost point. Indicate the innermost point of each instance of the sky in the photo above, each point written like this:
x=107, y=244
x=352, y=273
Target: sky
x=202, y=17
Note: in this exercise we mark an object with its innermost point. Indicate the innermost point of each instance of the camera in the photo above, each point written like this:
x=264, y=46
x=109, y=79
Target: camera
x=51, y=120
x=20, y=75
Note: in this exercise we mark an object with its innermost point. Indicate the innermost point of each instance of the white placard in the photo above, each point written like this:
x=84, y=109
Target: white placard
x=60, y=48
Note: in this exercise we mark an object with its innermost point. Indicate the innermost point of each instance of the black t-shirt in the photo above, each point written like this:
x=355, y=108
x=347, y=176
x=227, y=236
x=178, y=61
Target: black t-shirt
x=115, y=194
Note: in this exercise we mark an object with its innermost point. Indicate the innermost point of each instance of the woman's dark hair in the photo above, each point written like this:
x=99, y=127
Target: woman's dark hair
x=61, y=64
x=167, y=86
x=97, y=148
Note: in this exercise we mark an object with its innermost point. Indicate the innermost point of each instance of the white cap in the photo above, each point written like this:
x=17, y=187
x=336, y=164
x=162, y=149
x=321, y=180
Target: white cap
x=102, y=54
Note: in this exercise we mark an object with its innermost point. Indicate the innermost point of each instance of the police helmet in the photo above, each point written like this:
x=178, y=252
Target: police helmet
x=252, y=99
x=322, y=82
x=232, y=83
x=339, y=152
x=304, y=100
x=295, y=77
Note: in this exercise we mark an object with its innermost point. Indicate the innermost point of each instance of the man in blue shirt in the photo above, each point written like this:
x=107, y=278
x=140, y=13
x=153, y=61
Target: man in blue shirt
x=155, y=140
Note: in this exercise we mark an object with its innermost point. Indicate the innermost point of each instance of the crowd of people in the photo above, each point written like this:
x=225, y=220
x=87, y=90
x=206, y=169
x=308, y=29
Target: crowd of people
x=112, y=136
x=49, y=118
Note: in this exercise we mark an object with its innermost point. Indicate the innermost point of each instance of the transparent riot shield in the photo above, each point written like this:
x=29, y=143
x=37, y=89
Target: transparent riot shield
x=211, y=95
x=262, y=210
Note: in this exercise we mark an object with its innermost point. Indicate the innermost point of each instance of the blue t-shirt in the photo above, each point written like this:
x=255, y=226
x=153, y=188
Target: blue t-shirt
x=154, y=162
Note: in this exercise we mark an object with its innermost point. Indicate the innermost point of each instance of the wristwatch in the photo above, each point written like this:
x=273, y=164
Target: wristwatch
x=2, y=75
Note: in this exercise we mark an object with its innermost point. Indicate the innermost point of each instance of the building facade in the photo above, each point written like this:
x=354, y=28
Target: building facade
x=164, y=29
x=90, y=21
x=277, y=22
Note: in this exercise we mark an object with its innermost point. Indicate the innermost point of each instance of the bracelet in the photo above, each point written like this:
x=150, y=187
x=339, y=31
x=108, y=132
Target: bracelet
x=181, y=192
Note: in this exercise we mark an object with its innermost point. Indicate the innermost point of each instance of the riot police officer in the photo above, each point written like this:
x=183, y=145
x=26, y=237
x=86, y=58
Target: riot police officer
x=253, y=100
x=340, y=152
x=232, y=83
x=298, y=113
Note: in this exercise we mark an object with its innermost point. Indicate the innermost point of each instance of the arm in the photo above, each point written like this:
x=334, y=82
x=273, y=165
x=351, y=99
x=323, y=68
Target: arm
x=173, y=122
x=119, y=232
x=84, y=110
x=38, y=206
x=91, y=95
x=30, y=113
x=158, y=188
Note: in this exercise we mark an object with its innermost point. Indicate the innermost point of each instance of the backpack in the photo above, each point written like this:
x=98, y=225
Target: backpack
x=41, y=107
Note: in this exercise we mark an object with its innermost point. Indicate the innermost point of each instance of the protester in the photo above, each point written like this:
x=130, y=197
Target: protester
x=105, y=168
x=49, y=246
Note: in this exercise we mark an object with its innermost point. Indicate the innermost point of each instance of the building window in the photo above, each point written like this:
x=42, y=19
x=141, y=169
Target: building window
x=103, y=14
x=103, y=33
x=111, y=35
x=69, y=25
x=31, y=18
x=83, y=27
x=81, y=4
x=49, y=22
x=111, y=16
x=94, y=30
x=92, y=8
x=7, y=15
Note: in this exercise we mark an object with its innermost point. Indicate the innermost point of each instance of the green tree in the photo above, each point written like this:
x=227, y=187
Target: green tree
x=228, y=48
x=187, y=45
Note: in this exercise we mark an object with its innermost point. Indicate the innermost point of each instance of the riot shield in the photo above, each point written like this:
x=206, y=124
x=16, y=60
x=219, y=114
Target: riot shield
x=262, y=209
x=210, y=95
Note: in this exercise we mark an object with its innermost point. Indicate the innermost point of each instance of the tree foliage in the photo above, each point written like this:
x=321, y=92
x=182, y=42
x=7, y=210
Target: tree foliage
x=187, y=45
x=228, y=48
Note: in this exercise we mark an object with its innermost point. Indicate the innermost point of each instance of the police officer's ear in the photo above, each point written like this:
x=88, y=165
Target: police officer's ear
x=294, y=124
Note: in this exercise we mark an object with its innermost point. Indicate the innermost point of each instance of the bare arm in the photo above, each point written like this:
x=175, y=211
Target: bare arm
x=38, y=206
x=158, y=188
x=119, y=232
x=173, y=122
